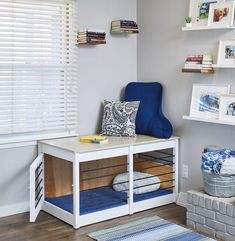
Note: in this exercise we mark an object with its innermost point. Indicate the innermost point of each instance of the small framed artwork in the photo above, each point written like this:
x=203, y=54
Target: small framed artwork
x=205, y=101
x=226, y=52
x=227, y=108
x=199, y=11
x=221, y=14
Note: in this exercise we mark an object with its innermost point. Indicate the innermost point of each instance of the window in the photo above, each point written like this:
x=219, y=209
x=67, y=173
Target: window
x=38, y=79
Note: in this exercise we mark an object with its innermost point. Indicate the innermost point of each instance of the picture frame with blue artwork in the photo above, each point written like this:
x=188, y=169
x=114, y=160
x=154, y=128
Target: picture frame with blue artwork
x=226, y=53
x=227, y=108
x=199, y=11
x=205, y=102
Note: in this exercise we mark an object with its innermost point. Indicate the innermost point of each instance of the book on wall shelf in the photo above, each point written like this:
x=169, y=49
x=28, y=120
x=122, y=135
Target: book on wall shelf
x=124, y=26
x=201, y=63
x=91, y=37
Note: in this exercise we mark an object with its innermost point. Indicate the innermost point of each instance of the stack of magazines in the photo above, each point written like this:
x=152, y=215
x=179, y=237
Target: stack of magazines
x=199, y=64
x=91, y=37
x=127, y=26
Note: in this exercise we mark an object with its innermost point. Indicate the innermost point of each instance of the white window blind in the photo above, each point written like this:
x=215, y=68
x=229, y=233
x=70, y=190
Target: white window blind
x=38, y=69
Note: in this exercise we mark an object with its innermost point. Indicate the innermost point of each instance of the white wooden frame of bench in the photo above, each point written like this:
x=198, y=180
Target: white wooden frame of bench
x=70, y=149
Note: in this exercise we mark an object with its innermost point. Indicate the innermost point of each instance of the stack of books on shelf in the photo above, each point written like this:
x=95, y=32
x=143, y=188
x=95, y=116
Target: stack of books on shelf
x=207, y=64
x=91, y=37
x=198, y=64
x=96, y=139
x=127, y=26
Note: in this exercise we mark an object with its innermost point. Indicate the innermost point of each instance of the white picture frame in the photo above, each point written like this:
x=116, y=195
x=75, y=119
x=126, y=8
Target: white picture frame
x=221, y=14
x=226, y=53
x=205, y=101
x=199, y=11
x=227, y=108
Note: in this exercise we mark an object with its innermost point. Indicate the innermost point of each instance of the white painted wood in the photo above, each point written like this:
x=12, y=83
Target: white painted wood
x=209, y=120
x=193, y=28
x=18, y=144
x=72, y=150
x=30, y=138
x=131, y=179
x=104, y=215
x=34, y=211
x=153, y=202
x=58, y=212
x=223, y=66
x=95, y=155
x=76, y=192
x=176, y=169
x=153, y=147
x=57, y=152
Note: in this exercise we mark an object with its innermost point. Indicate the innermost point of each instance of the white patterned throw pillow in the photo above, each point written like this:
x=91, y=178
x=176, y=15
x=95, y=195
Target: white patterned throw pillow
x=119, y=118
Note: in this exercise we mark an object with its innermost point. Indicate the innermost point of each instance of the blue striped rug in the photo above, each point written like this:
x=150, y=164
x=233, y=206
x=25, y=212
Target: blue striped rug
x=148, y=229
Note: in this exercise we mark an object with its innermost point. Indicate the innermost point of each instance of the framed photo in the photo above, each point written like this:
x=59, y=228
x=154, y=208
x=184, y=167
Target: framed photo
x=227, y=108
x=199, y=11
x=226, y=52
x=205, y=101
x=221, y=14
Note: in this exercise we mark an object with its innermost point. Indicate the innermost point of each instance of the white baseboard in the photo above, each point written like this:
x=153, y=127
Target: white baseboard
x=182, y=199
x=14, y=209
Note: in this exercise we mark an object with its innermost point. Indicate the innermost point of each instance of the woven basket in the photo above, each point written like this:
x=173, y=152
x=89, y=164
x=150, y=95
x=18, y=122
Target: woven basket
x=219, y=186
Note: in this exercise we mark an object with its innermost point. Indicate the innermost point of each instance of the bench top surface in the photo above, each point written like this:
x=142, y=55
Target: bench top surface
x=73, y=144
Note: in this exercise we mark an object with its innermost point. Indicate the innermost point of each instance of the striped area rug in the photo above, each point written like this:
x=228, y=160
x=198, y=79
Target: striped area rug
x=148, y=229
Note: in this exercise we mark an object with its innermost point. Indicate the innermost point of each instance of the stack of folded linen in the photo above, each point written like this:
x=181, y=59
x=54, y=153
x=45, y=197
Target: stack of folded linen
x=219, y=162
x=228, y=167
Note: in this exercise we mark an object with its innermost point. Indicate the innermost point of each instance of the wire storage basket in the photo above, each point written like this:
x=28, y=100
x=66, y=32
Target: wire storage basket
x=218, y=185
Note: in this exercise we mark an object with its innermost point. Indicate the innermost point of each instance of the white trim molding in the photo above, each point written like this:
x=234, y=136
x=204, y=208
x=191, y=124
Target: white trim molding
x=18, y=144
x=182, y=199
x=14, y=209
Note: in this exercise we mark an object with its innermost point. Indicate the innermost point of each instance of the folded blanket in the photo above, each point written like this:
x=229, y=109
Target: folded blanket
x=212, y=161
x=228, y=167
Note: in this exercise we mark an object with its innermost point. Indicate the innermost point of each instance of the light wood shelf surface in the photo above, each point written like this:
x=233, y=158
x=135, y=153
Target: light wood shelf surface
x=74, y=145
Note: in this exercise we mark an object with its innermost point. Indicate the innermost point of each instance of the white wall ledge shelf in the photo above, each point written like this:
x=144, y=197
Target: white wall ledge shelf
x=223, y=66
x=194, y=28
x=185, y=117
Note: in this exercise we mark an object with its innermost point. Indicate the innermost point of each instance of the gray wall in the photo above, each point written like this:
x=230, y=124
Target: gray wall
x=103, y=72
x=162, y=48
x=14, y=178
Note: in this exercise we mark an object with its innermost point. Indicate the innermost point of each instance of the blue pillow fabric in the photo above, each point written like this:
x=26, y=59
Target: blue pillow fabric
x=149, y=120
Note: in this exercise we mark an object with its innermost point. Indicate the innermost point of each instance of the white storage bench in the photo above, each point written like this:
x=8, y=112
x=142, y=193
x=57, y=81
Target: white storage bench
x=73, y=181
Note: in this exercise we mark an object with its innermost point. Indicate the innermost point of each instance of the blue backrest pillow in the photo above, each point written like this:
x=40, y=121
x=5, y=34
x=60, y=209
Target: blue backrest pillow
x=150, y=120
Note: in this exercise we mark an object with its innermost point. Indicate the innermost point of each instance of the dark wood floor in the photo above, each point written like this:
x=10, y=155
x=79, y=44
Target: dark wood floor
x=48, y=228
